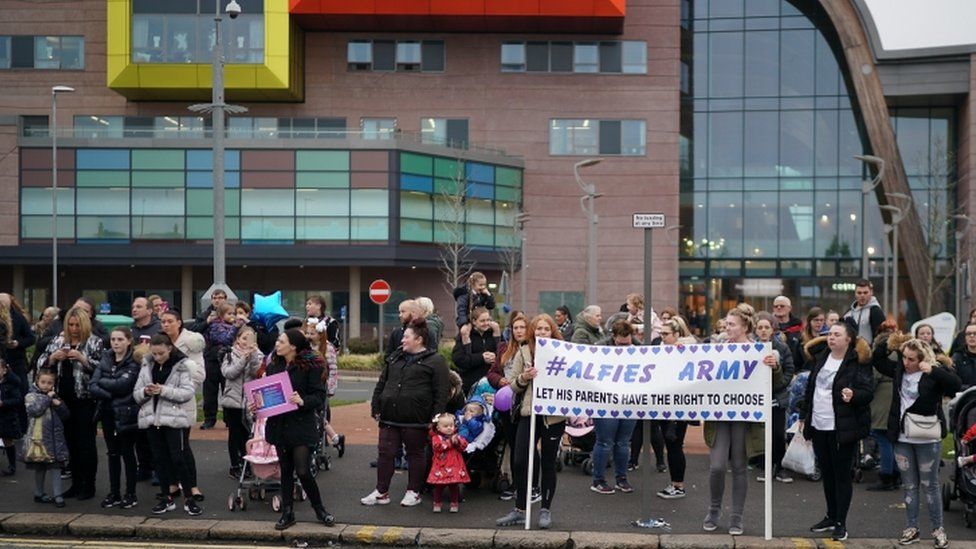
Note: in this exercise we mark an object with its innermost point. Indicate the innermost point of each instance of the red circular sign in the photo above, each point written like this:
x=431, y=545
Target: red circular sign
x=379, y=291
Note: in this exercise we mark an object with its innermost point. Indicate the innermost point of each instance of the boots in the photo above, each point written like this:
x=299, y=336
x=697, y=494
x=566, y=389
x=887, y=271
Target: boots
x=287, y=518
x=886, y=483
x=324, y=516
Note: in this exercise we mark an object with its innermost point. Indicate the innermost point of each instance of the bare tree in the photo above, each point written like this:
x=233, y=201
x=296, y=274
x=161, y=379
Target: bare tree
x=938, y=223
x=449, y=230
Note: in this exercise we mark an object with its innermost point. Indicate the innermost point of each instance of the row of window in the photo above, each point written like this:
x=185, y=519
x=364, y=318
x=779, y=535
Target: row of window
x=42, y=52
x=578, y=137
x=170, y=38
x=396, y=55
x=617, y=57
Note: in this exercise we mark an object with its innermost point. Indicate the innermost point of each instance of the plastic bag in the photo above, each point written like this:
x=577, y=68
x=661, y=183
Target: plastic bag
x=799, y=456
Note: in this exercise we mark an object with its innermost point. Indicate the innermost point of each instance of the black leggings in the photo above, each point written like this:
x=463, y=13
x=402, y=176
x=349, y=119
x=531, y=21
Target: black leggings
x=297, y=461
x=836, y=461
x=550, y=436
x=674, y=438
x=80, y=432
x=121, y=449
x=169, y=450
x=236, y=435
x=657, y=442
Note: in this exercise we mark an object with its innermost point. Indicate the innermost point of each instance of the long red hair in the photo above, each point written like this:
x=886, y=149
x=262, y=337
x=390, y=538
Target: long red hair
x=530, y=331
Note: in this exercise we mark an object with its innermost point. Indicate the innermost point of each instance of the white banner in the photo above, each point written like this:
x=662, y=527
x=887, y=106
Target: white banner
x=720, y=382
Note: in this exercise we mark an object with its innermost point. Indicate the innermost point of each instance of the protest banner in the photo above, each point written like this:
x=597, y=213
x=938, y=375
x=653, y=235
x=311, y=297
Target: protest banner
x=270, y=395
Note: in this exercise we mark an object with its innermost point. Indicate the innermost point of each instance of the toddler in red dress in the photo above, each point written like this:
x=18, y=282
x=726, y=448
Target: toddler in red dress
x=447, y=468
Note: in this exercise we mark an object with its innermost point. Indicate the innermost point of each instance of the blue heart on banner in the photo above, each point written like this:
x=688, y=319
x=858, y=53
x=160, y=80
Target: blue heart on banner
x=718, y=415
x=601, y=413
x=693, y=349
x=564, y=411
x=643, y=350
x=627, y=413
x=705, y=415
x=581, y=348
x=733, y=346
x=757, y=415
x=680, y=348
x=538, y=409
x=606, y=350
x=730, y=414
x=619, y=350
x=542, y=343
x=631, y=350
x=568, y=346
x=706, y=348
x=588, y=412
x=552, y=410
x=641, y=414
x=614, y=413
x=718, y=348
x=692, y=415
x=679, y=414
x=652, y=415
x=666, y=414
x=594, y=349
x=758, y=346
x=577, y=411
x=655, y=350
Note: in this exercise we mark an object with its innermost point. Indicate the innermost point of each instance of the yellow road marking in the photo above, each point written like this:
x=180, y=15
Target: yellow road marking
x=831, y=544
x=804, y=543
x=366, y=533
x=392, y=534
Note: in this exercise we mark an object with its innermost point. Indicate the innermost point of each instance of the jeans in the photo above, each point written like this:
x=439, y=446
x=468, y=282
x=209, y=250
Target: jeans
x=919, y=466
x=390, y=442
x=885, y=450
x=836, y=461
x=612, y=435
x=169, y=449
x=730, y=440
x=550, y=436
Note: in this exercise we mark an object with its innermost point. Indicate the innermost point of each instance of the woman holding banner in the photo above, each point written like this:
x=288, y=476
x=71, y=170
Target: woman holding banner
x=738, y=439
x=548, y=428
x=836, y=416
x=782, y=376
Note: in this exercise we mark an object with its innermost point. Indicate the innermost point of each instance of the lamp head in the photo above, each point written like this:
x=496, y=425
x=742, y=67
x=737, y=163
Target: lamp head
x=233, y=9
x=62, y=89
x=588, y=162
x=869, y=158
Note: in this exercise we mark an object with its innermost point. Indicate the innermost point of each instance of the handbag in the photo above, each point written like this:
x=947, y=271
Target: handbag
x=36, y=452
x=922, y=427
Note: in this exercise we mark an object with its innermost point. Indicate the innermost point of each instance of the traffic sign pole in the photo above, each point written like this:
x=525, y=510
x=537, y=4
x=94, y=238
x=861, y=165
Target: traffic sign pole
x=379, y=293
x=381, y=334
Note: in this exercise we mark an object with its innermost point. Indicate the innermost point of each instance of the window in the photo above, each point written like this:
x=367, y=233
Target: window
x=4, y=52
x=390, y=55
x=378, y=128
x=94, y=127
x=444, y=131
x=181, y=31
x=35, y=126
x=611, y=57
x=42, y=52
x=587, y=137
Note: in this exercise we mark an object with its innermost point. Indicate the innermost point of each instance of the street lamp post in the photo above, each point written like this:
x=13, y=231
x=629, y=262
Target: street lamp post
x=959, y=271
x=866, y=188
x=587, y=203
x=896, y=218
x=217, y=108
x=885, y=296
x=522, y=219
x=55, y=90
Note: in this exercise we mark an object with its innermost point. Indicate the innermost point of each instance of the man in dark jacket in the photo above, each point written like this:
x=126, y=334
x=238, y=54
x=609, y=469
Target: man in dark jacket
x=866, y=311
x=475, y=349
x=790, y=327
x=409, y=310
x=144, y=323
x=214, y=382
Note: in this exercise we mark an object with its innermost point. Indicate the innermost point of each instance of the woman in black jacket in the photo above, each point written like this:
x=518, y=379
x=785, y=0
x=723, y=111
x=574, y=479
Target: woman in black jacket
x=112, y=384
x=413, y=387
x=15, y=349
x=837, y=415
x=295, y=433
x=475, y=348
x=920, y=383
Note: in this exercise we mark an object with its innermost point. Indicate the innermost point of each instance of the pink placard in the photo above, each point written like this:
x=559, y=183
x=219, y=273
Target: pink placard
x=270, y=395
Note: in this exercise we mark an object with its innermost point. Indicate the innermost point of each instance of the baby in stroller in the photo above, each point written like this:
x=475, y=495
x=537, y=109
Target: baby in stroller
x=262, y=461
x=476, y=428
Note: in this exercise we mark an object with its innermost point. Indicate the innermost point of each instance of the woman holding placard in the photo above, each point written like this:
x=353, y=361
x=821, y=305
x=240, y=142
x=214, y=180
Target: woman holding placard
x=500, y=376
x=548, y=428
x=782, y=375
x=295, y=433
x=836, y=415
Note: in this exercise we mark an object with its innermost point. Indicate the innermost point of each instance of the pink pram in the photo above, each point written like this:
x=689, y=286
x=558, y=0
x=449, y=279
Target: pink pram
x=261, y=472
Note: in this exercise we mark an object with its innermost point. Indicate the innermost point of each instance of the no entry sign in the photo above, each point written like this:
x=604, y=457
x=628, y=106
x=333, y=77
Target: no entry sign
x=379, y=291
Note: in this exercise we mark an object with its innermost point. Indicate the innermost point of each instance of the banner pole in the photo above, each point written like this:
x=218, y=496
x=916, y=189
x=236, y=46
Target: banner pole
x=768, y=457
x=528, y=477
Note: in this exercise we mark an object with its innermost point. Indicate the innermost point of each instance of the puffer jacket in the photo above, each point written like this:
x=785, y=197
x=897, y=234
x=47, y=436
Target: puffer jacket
x=965, y=365
x=852, y=420
x=299, y=427
x=411, y=389
x=584, y=333
x=468, y=358
x=237, y=370
x=465, y=301
x=12, y=400
x=112, y=383
x=52, y=425
x=80, y=373
x=192, y=345
x=523, y=357
x=168, y=408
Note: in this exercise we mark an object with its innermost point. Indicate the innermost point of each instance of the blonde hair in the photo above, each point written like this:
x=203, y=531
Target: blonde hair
x=745, y=313
x=426, y=305
x=7, y=322
x=476, y=276
x=684, y=331
x=84, y=323
x=922, y=349
x=637, y=300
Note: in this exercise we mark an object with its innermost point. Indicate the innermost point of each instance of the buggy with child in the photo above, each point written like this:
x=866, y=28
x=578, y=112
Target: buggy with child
x=962, y=484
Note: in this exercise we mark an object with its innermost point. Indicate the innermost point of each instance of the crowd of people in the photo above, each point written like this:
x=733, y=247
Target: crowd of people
x=843, y=378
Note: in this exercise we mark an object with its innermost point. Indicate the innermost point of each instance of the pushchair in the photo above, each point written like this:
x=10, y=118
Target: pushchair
x=321, y=460
x=260, y=475
x=576, y=447
x=962, y=485
x=481, y=454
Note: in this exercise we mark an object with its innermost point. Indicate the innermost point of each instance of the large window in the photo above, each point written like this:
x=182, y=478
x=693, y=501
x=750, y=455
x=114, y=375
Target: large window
x=183, y=32
x=396, y=55
x=618, y=57
x=378, y=128
x=581, y=137
x=42, y=52
x=452, y=132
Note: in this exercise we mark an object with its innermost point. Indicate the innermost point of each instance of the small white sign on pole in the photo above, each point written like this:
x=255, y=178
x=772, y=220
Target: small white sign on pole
x=648, y=221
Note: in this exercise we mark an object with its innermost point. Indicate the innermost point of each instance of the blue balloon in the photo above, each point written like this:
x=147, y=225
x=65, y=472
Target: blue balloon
x=268, y=310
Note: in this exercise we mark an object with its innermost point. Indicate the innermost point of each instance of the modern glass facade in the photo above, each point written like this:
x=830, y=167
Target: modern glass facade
x=771, y=197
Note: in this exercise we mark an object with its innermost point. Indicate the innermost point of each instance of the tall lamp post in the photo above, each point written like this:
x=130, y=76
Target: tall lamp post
x=961, y=273
x=866, y=188
x=884, y=248
x=587, y=203
x=55, y=90
x=217, y=108
x=896, y=218
x=522, y=219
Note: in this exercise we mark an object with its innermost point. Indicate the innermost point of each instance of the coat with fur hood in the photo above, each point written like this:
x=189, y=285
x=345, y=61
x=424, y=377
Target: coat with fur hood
x=885, y=344
x=299, y=427
x=166, y=409
x=852, y=420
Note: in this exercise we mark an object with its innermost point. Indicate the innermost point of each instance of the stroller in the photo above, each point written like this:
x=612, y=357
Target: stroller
x=576, y=447
x=260, y=474
x=481, y=454
x=962, y=415
x=321, y=459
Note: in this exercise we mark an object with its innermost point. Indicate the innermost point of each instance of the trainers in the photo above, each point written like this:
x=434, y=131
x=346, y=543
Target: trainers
x=128, y=501
x=671, y=492
x=941, y=541
x=601, y=487
x=192, y=508
x=507, y=495
x=455, y=507
x=633, y=466
x=909, y=536
x=824, y=525
x=840, y=533
x=437, y=507
x=514, y=517
x=111, y=500
x=65, y=473
x=165, y=505
x=662, y=467
x=735, y=528
x=624, y=486
x=711, y=523
x=536, y=495
x=545, y=519
x=340, y=445
x=782, y=475
x=410, y=499
x=375, y=498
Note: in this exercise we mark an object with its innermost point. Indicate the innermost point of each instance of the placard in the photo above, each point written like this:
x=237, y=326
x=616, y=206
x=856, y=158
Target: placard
x=270, y=395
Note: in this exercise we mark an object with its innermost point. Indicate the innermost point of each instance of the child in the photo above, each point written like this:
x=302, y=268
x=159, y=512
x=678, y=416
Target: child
x=447, y=467
x=317, y=332
x=472, y=419
x=966, y=439
x=44, y=446
x=240, y=366
x=475, y=294
x=10, y=400
x=222, y=333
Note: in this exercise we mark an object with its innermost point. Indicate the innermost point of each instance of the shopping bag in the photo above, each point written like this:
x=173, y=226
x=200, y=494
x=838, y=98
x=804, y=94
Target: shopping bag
x=799, y=456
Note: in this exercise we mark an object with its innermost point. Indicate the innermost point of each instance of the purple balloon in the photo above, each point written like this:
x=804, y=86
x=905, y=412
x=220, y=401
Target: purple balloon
x=503, y=399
